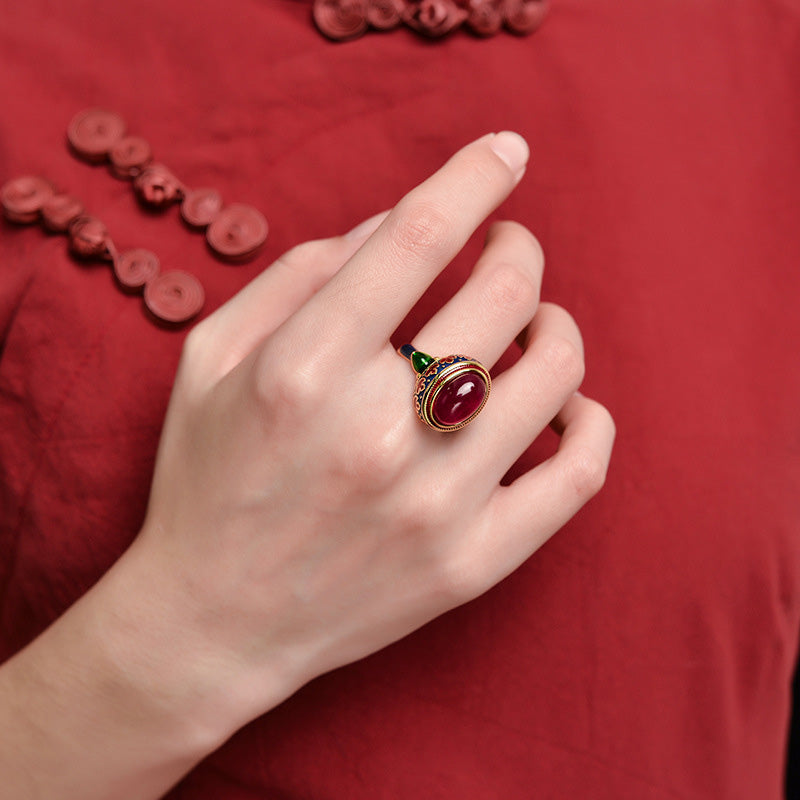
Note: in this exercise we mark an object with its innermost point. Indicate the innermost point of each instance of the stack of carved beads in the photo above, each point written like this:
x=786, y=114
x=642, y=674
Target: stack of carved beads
x=342, y=20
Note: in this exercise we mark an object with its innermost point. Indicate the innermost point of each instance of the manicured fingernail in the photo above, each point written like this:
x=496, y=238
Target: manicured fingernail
x=367, y=227
x=513, y=149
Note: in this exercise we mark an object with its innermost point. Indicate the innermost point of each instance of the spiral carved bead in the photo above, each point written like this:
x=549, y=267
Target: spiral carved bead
x=174, y=296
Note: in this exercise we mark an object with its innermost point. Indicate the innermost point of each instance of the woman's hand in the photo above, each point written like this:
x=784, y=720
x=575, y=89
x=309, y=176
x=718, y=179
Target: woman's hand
x=301, y=515
x=300, y=505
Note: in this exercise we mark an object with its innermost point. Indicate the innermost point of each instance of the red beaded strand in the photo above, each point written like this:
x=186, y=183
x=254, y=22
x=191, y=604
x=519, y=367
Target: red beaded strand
x=173, y=297
x=343, y=20
x=234, y=233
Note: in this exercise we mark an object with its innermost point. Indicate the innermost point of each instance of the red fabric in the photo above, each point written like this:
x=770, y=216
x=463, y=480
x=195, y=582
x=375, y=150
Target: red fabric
x=646, y=651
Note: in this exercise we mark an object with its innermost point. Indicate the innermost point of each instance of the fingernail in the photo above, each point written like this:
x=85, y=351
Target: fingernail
x=513, y=149
x=367, y=227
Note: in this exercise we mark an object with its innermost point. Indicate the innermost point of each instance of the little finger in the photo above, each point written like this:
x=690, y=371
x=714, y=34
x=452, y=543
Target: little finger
x=522, y=516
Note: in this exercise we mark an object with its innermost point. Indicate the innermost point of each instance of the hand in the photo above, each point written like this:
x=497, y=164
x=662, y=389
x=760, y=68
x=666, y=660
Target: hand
x=301, y=515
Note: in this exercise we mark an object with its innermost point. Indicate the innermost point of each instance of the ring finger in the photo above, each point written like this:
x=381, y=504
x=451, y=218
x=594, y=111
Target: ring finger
x=498, y=300
x=528, y=395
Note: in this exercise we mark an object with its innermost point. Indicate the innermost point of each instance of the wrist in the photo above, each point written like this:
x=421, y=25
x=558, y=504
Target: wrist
x=128, y=690
x=159, y=649
x=108, y=701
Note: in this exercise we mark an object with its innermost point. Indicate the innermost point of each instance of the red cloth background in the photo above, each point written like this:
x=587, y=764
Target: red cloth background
x=646, y=651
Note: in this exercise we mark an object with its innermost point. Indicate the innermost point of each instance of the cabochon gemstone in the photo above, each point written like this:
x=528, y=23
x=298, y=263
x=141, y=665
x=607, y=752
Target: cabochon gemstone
x=421, y=361
x=459, y=399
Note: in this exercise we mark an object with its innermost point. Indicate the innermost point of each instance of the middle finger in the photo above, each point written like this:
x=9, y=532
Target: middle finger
x=359, y=309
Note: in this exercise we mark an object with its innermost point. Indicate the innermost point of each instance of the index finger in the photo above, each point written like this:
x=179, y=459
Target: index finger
x=369, y=297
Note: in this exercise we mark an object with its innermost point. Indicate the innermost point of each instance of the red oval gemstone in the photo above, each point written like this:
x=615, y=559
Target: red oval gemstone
x=459, y=399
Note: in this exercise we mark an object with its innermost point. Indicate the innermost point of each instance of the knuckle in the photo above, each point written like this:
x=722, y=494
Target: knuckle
x=371, y=465
x=290, y=386
x=196, y=342
x=563, y=359
x=587, y=472
x=197, y=368
x=425, y=512
x=457, y=580
x=320, y=257
x=421, y=228
x=511, y=289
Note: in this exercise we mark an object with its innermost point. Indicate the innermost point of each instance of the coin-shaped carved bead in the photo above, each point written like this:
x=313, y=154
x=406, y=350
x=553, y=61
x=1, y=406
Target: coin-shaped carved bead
x=383, y=15
x=485, y=17
x=134, y=268
x=524, y=16
x=200, y=207
x=59, y=211
x=23, y=198
x=92, y=133
x=174, y=296
x=341, y=19
x=237, y=232
x=129, y=156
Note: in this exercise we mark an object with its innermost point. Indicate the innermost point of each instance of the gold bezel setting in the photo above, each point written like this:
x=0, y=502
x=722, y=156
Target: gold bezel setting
x=436, y=375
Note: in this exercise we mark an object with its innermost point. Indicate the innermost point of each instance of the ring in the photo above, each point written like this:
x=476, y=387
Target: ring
x=451, y=391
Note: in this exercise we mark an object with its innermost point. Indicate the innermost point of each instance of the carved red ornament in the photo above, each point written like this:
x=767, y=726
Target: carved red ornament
x=485, y=17
x=134, y=268
x=383, y=15
x=343, y=20
x=88, y=237
x=433, y=18
x=156, y=186
x=524, y=16
x=59, y=212
x=174, y=296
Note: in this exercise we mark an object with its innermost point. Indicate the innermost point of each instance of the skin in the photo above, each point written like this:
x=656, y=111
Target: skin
x=295, y=524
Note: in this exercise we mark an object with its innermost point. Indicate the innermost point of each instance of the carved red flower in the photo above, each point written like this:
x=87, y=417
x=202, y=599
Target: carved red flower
x=384, y=14
x=157, y=186
x=485, y=17
x=341, y=19
x=524, y=16
x=434, y=18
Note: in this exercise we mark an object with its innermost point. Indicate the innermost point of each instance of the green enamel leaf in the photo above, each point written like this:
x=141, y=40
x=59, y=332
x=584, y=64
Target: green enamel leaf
x=421, y=361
